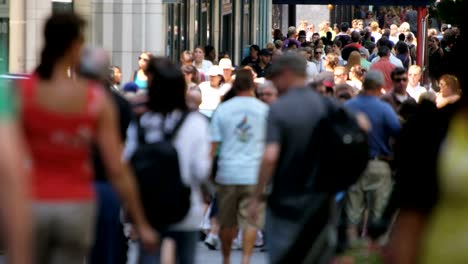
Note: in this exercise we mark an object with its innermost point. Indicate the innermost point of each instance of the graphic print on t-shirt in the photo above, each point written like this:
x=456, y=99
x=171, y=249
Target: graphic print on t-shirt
x=82, y=137
x=243, y=130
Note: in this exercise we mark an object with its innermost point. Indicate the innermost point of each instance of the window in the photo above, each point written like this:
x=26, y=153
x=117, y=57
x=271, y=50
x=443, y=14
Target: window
x=4, y=39
x=177, y=17
x=204, y=23
x=227, y=29
x=62, y=5
x=246, y=26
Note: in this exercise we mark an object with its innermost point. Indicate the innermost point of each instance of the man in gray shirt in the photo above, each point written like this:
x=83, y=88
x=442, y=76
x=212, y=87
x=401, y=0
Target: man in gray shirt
x=292, y=204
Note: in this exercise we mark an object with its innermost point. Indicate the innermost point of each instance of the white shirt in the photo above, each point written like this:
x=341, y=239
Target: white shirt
x=192, y=143
x=394, y=39
x=211, y=97
x=415, y=91
x=205, y=67
x=312, y=71
x=401, y=97
x=320, y=64
x=394, y=60
x=376, y=36
x=355, y=84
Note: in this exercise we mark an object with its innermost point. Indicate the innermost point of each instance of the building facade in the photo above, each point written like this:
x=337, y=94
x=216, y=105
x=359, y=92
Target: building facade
x=128, y=27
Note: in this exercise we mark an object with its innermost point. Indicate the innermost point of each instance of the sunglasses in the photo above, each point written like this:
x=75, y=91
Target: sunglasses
x=141, y=58
x=400, y=80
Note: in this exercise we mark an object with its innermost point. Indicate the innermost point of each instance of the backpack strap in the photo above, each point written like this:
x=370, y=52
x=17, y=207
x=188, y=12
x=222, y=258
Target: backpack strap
x=167, y=135
x=173, y=133
x=140, y=132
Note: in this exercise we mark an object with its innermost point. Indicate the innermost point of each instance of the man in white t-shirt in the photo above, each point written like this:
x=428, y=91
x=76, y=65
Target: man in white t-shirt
x=414, y=88
x=312, y=71
x=238, y=128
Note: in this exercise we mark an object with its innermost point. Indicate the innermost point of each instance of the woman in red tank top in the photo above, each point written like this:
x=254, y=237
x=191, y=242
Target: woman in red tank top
x=61, y=117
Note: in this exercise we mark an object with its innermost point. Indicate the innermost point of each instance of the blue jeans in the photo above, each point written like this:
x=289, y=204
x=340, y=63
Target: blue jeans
x=186, y=243
x=280, y=235
x=110, y=243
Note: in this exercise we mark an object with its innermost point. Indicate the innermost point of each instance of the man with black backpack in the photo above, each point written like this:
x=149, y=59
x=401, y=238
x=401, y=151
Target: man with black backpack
x=302, y=149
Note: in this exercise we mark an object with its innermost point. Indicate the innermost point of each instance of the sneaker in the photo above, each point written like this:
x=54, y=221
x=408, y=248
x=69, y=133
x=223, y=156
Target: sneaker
x=212, y=241
x=236, y=245
x=259, y=240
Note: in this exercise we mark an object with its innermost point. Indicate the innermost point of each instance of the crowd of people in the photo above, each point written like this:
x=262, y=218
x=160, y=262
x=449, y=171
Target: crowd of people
x=242, y=137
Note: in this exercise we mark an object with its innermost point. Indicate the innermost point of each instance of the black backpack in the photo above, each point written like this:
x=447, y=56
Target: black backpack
x=340, y=148
x=165, y=198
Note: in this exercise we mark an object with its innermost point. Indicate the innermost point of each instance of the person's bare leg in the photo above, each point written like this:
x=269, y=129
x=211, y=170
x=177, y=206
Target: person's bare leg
x=214, y=226
x=248, y=242
x=227, y=235
x=352, y=234
x=168, y=251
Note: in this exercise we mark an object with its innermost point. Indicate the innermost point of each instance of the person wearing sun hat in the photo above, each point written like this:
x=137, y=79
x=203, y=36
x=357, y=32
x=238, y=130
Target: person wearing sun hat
x=226, y=65
x=212, y=90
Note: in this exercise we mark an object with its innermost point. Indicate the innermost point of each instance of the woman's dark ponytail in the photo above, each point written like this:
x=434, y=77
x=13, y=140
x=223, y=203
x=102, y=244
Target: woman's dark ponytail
x=61, y=31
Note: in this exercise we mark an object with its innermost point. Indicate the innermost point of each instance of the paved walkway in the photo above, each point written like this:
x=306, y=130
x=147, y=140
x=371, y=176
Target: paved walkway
x=206, y=256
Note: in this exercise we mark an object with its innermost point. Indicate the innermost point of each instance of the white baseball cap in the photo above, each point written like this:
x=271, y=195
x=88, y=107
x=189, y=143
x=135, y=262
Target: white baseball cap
x=214, y=71
x=225, y=63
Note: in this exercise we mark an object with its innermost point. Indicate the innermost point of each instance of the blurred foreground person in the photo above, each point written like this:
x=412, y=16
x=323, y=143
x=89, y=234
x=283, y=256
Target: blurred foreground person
x=168, y=120
x=432, y=225
x=15, y=218
x=61, y=118
x=298, y=160
x=109, y=242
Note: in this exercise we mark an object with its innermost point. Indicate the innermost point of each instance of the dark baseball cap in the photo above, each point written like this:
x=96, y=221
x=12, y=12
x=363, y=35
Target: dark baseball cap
x=265, y=52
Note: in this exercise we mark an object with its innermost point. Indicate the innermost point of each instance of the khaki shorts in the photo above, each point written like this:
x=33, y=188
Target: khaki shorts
x=375, y=184
x=233, y=203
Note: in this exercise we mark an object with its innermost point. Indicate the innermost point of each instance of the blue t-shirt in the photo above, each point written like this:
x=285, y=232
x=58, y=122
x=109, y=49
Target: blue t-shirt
x=239, y=125
x=384, y=122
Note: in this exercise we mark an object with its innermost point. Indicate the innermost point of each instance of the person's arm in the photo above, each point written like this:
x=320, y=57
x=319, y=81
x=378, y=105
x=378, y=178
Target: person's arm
x=14, y=195
x=214, y=149
x=268, y=163
x=119, y=174
x=216, y=134
x=267, y=167
x=402, y=247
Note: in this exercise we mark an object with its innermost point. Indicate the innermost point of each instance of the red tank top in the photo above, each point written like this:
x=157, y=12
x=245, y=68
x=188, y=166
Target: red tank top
x=60, y=146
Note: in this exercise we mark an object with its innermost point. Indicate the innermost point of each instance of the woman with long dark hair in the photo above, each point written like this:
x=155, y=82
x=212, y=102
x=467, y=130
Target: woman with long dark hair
x=139, y=76
x=167, y=108
x=62, y=116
